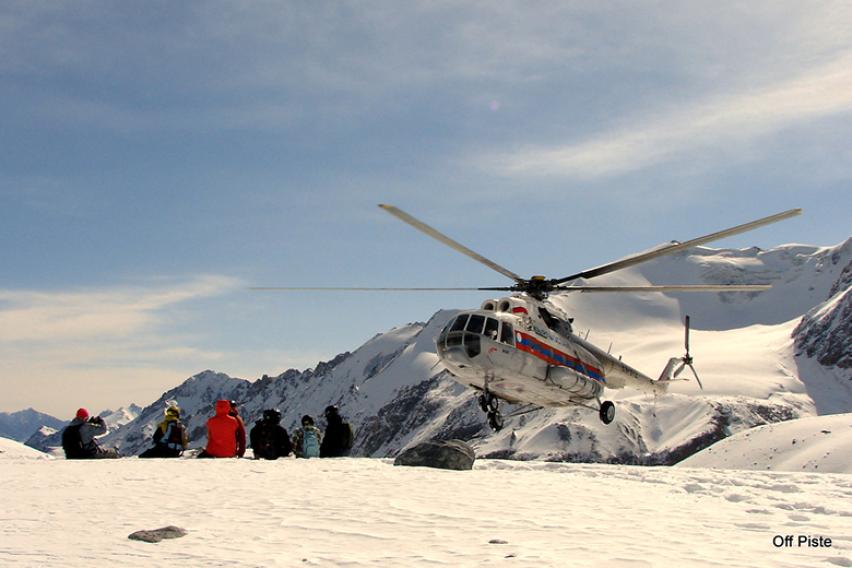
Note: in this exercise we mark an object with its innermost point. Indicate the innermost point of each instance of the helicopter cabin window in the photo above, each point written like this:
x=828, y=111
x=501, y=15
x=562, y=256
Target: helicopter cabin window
x=506, y=334
x=491, y=327
x=458, y=325
x=475, y=324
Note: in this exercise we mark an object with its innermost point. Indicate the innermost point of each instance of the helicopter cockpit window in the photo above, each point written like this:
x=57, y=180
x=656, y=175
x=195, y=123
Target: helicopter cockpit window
x=458, y=325
x=475, y=324
x=506, y=334
x=491, y=326
x=554, y=323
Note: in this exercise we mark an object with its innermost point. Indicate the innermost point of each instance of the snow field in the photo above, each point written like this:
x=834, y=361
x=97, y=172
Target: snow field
x=366, y=512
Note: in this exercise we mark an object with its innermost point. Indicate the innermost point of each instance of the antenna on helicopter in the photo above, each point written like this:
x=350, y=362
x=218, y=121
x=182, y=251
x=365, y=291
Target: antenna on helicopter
x=687, y=360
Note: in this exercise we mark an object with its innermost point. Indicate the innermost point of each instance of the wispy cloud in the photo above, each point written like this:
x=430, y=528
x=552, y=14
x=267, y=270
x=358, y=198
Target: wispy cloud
x=96, y=346
x=698, y=125
x=44, y=317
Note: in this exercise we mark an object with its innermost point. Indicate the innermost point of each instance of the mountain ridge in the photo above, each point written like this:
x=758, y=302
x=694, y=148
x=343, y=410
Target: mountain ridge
x=396, y=393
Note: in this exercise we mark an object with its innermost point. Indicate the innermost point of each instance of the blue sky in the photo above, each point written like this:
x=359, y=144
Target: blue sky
x=160, y=158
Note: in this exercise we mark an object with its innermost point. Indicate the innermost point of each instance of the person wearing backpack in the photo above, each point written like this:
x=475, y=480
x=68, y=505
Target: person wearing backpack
x=269, y=440
x=170, y=437
x=78, y=438
x=307, y=439
x=338, y=435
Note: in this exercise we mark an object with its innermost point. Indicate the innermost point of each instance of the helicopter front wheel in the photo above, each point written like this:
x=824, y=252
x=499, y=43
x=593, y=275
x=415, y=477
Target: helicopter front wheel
x=607, y=412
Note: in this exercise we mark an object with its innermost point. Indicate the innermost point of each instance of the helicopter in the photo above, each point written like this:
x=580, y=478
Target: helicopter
x=521, y=348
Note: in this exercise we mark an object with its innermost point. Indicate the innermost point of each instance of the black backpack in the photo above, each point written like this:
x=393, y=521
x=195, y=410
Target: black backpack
x=72, y=443
x=263, y=441
x=348, y=436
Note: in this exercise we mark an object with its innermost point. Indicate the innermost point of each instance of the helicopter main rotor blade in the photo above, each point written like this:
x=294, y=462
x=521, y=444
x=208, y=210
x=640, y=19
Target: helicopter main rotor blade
x=667, y=288
x=367, y=289
x=423, y=227
x=669, y=249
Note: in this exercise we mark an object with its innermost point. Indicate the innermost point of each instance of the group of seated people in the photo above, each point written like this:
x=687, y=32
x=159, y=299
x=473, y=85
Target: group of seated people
x=226, y=436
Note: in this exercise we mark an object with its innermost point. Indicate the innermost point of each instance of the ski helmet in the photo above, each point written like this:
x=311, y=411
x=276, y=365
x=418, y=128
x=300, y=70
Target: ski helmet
x=272, y=415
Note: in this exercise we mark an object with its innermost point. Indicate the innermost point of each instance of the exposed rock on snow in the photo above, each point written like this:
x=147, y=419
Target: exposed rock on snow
x=824, y=333
x=158, y=535
x=449, y=454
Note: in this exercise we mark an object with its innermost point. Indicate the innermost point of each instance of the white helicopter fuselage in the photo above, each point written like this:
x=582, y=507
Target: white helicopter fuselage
x=516, y=349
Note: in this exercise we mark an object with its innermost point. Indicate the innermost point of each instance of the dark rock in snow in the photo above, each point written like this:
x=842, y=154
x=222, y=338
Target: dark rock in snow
x=823, y=333
x=450, y=454
x=157, y=535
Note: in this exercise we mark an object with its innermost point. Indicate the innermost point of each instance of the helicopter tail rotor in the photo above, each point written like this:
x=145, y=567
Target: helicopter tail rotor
x=687, y=360
x=676, y=365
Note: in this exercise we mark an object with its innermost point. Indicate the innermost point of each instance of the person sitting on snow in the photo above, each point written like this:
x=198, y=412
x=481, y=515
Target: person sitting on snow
x=269, y=440
x=222, y=432
x=307, y=439
x=170, y=437
x=78, y=438
x=338, y=437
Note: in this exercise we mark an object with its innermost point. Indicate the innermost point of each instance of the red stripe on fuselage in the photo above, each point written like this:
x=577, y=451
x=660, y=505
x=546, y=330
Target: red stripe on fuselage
x=586, y=369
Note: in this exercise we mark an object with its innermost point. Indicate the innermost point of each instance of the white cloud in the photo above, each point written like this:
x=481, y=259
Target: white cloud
x=698, y=125
x=105, y=346
x=43, y=317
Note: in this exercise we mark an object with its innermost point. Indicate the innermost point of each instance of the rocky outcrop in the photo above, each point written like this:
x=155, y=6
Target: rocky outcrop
x=825, y=332
x=448, y=454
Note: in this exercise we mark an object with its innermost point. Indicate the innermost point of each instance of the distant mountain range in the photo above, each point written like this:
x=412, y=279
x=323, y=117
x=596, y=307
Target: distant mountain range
x=21, y=425
x=763, y=358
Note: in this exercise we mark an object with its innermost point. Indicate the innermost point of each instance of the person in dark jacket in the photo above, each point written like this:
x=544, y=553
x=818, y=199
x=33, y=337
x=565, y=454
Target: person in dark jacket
x=338, y=437
x=269, y=440
x=78, y=438
x=222, y=432
x=170, y=437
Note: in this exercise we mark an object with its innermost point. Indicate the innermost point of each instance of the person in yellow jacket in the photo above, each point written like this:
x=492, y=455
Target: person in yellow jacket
x=170, y=437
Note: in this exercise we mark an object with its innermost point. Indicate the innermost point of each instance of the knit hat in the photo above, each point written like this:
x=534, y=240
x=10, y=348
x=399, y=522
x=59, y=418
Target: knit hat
x=82, y=414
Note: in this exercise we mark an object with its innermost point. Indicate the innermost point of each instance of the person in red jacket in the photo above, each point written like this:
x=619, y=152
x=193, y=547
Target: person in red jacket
x=222, y=433
x=241, y=431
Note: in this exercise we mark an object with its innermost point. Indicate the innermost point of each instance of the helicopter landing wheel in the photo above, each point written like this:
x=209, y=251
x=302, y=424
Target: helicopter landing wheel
x=493, y=403
x=488, y=402
x=495, y=420
x=607, y=412
x=483, y=402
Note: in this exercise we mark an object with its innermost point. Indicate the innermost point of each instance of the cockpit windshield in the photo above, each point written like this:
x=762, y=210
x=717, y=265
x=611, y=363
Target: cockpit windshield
x=467, y=329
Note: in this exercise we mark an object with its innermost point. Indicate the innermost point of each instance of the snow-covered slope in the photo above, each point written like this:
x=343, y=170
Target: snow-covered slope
x=14, y=450
x=759, y=361
x=366, y=512
x=818, y=443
